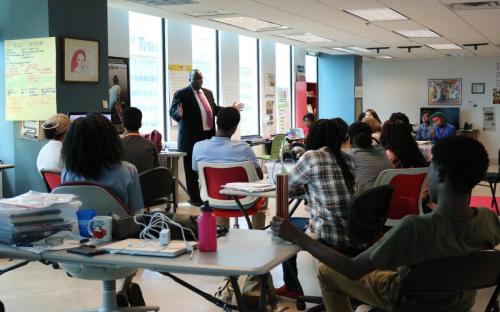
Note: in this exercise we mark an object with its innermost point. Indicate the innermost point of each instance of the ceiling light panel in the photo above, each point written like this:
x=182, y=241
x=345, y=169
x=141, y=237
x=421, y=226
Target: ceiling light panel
x=249, y=23
x=343, y=50
x=307, y=38
x=417, y=33
x=358, y=49
x=377, y=14
x=444, y=46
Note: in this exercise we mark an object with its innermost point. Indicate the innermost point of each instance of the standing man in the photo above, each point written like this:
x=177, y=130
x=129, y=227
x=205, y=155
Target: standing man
x=194, y=109
x=115, y=104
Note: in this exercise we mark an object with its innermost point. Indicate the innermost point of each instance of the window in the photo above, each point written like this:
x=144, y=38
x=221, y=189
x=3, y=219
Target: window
x=311, y=68
x=146, y=69
x=283, y=91
x=249, y=86
x=204, y=55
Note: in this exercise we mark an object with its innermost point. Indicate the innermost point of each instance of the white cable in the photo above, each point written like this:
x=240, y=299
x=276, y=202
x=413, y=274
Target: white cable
x=158, y=222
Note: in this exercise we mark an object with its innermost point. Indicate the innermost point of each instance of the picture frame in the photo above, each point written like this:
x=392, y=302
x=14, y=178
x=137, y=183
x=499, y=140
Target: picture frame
x=445, y=91
x=478, y=88
x=80, y=60
x=119, y=67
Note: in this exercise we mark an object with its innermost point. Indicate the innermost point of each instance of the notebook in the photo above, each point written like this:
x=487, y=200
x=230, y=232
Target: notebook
x=141, y=247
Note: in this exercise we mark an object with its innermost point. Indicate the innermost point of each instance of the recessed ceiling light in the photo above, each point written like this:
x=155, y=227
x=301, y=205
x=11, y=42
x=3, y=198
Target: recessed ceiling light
x=209, y=13
x=461, y=54
x=385, y=57
x=343, y=50
x=249, y=23
x=358, y=49
x=307, y=37
x=444, y=46
x=418, y=33
x=377, y=14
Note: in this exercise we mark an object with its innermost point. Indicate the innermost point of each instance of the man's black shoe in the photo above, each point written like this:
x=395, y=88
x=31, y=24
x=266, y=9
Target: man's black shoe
x=196, y=203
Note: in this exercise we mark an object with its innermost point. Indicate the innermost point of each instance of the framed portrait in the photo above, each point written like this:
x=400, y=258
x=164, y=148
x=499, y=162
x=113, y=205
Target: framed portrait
x=445, y=91
x=119, y=81
x=81, y=60
x=478, y=88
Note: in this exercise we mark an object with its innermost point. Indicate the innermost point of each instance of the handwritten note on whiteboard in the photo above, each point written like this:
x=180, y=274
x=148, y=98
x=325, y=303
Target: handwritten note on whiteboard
x=30, y=79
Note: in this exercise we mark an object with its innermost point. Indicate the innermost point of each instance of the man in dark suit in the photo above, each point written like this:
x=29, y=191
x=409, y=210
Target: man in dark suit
x=194, y=109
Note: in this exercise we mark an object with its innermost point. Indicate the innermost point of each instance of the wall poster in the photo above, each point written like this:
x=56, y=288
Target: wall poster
x=445, y=91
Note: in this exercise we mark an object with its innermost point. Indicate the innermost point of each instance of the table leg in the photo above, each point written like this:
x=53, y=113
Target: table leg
x=237, y=293
x=264, y=289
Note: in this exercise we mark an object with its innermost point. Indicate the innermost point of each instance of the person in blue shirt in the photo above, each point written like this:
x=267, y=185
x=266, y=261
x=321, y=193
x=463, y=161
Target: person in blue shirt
x=441, y=128
x=424, y=132
x=221, y=149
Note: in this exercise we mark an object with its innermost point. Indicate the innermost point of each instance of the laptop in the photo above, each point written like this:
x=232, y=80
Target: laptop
x=75, y=115
x=297, y=133
x=147, y=247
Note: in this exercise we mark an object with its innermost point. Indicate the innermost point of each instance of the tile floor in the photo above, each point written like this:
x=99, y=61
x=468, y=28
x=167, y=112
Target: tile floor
x=37, y=287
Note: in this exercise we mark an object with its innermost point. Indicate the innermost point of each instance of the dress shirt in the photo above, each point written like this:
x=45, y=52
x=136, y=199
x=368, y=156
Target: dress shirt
x=202, y=110
x=444, y=131
x=424, y=132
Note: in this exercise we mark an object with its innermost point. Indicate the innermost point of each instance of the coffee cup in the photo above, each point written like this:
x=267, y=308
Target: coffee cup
x=100, y=228
x=84, y=216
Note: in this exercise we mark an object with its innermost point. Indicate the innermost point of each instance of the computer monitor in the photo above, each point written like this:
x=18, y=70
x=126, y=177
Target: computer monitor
x=75, y=115
x=297, y=133
x=452, y=114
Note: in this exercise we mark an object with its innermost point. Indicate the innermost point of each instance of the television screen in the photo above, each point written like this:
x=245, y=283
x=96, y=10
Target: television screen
x=76, y=115
x=452, y=114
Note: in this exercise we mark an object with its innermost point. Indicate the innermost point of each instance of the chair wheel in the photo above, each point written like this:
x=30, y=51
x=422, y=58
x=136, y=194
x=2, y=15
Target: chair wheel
x=300, y=305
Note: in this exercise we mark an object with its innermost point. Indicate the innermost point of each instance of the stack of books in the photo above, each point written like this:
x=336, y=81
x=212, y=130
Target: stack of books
x=260, y=186
x=33, y=216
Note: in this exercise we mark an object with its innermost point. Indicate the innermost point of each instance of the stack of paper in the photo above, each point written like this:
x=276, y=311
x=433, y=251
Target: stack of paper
x=34, y=216
x=260, y=186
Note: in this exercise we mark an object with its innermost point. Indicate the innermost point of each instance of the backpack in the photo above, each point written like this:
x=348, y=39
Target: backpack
x=155, y=137
x=250, y=291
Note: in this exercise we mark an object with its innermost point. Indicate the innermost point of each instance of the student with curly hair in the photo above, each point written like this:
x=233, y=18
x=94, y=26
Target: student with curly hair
x=92, y=152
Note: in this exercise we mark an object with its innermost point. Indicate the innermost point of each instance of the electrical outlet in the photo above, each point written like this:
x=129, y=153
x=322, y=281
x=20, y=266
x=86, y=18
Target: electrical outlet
x=105, y=104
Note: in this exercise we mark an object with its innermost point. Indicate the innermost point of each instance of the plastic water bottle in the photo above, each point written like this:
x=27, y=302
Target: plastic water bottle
x=207, y=229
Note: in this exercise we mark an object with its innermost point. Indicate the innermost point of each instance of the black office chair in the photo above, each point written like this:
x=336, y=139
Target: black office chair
x=367, y=216
x=447, y=275
x=157, y=185
x=492, y=178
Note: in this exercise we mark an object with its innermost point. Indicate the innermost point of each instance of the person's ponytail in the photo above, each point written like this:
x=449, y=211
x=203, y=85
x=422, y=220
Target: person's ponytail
x=334, y=144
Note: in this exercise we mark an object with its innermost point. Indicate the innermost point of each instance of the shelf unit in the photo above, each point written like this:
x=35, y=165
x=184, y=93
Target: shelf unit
x=306, y=93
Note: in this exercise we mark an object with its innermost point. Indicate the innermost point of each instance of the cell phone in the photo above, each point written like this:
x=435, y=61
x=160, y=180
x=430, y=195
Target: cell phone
x=86, y=251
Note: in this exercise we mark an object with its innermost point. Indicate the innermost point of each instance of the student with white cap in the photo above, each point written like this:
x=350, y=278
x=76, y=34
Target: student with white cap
x=55, y=128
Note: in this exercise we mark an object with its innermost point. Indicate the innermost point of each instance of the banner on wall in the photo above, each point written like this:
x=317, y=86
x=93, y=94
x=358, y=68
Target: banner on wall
x=282, y=98
x=30, y=79
x=178, y=78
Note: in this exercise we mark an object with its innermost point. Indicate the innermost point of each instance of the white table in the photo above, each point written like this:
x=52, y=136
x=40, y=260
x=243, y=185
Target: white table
x=241, y=252
x=426, y=150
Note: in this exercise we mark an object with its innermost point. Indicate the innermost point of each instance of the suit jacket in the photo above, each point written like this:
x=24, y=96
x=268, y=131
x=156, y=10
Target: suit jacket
x=191, y=125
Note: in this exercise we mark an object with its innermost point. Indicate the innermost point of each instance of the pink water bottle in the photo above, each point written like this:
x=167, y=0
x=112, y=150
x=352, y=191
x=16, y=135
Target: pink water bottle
x=207, y=229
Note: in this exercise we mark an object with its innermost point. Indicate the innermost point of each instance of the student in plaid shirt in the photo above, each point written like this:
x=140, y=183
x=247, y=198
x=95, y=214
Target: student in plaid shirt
x=327, y=174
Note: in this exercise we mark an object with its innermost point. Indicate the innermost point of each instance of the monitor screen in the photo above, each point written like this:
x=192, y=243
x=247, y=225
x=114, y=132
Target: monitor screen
x=452, y=114
x=75, y=115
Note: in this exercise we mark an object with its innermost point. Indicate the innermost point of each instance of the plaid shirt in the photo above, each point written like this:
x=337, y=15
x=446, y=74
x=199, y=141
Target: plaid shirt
x=327, y=194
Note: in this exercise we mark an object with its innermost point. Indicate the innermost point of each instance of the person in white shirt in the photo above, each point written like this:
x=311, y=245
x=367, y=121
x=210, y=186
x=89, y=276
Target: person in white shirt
x=49, y=157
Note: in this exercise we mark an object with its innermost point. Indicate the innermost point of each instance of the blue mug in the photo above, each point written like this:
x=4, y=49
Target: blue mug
x=84, y=217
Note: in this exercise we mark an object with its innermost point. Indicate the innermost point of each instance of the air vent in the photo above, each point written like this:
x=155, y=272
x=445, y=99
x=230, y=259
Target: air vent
x=209, y=13
x=164, y=2
x=478, y=5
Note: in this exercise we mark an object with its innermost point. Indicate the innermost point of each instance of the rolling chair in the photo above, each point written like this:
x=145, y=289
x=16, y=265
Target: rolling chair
x=51, y=178
x=407, y=195
x=367, y=215
x=214, y=175
x=157, y=185
x=98, y=197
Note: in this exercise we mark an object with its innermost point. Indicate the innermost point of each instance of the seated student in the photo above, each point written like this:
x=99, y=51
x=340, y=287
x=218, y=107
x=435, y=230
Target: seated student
x=369, y=160
x=221, y=149
x=309, y=120
x=137, y=150
x=400, y=147
x=401, y=117
x=372, y=113
x=327, y=174
x=441, y=128
x=92, y=152
x=49, y=157
x=376, y=128
x=453, y=229
x=424, y=132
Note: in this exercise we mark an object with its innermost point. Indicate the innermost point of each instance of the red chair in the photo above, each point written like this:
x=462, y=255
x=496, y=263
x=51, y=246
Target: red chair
x=51, y=178
x=214, y=175
x=407, y=195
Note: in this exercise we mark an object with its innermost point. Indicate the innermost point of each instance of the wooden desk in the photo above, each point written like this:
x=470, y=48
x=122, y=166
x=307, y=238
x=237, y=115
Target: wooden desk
x=170, y=160
x=2, y=167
